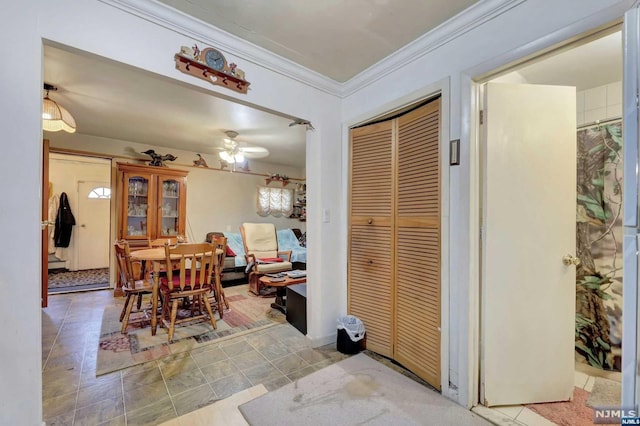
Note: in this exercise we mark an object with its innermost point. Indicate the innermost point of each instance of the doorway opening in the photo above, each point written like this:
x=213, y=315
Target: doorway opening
x=79, y=253
x=551, y=226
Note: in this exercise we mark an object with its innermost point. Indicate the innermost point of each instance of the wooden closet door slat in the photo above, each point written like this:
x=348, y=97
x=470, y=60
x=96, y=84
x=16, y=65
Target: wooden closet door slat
x=370, y=263
x=417, y=298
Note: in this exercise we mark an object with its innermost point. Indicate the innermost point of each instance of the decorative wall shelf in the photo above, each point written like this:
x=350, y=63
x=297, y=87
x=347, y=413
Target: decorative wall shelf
x=222, y=78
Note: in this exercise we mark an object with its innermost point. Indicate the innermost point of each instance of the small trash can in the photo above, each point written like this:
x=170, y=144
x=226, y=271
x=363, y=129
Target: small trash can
x=351, y=334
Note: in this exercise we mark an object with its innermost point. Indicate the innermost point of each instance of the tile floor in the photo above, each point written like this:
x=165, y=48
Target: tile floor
x=158, y=391
x=151, y=393
x=519, y=415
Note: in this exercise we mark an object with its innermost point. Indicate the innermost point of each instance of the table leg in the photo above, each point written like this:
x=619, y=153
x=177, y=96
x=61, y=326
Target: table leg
x=154, y=297
x=281, y=299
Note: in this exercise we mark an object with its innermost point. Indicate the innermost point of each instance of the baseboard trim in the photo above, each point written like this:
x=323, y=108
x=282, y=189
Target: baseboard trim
x=321, y=341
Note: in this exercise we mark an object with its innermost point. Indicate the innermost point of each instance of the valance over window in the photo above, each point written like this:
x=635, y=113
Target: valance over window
x=274, y=201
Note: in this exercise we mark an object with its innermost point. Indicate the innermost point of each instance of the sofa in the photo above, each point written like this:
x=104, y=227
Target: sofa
x=235, y=263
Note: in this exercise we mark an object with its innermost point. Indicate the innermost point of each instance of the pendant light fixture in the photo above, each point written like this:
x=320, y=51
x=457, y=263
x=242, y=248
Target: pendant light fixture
x=54, y=116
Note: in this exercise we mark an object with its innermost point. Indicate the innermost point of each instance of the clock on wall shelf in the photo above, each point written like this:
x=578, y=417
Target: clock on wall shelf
x=211, y=65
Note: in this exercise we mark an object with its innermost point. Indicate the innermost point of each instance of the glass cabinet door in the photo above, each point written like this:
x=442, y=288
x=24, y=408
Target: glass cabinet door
x=137, y=188
x=170, y=193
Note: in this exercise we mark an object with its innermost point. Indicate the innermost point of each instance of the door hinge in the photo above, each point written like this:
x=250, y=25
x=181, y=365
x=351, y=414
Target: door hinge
x=481, y=117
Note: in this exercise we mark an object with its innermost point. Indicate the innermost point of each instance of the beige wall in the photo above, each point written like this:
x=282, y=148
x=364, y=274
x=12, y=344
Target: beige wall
x=217, y=200
x=65, y=171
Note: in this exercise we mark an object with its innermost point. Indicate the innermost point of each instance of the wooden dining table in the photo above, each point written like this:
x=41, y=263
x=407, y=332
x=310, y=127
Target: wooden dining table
x=158, y=257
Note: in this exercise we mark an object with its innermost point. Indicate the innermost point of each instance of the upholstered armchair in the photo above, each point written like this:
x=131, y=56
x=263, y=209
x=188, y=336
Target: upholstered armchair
x=261, y=252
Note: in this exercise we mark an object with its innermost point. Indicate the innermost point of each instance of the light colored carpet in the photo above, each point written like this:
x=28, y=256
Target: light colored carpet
x=605, y=393
x=358, y=390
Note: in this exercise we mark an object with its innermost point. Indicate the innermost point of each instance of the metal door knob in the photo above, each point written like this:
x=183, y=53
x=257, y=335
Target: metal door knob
x=569, y=259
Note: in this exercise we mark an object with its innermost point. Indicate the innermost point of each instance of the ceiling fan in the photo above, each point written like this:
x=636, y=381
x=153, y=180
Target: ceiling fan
x=233, y=152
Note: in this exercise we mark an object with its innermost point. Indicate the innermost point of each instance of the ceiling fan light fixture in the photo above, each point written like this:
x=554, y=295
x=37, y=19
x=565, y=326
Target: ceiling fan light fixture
x=224, y=155
x=55, y=117
x=239, y=157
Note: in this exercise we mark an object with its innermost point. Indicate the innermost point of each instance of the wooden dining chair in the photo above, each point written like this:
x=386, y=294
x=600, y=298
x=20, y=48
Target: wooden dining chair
x=192, y=279
x=220, y=243
x=160, y=242
x=134, y=285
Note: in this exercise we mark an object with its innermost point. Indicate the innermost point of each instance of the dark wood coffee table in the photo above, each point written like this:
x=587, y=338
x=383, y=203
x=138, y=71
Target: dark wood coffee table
x=281, y=286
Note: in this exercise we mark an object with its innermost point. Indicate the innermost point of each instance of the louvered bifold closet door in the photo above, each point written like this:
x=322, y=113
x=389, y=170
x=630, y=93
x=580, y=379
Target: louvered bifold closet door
x=370, y=232
x=417, y=325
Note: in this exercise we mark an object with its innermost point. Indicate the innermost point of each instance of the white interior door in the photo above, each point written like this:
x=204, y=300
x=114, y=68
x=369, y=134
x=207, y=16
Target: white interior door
x=529, y=224
x=92, y=226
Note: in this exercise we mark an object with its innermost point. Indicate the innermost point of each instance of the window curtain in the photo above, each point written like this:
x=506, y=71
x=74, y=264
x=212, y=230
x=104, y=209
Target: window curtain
x=274, y=201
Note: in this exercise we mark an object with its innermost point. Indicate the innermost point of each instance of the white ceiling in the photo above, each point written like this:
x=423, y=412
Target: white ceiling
x=336, y=38
x=590, y=65
x=116, y=101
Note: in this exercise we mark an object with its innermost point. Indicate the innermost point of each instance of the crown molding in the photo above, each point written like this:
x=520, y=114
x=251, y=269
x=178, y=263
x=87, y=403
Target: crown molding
x=192, y=27
x=189, y=26
x=444, y=33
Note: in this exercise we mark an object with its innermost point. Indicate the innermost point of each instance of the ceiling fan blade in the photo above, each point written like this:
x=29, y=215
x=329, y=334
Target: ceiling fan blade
x=253, y=149
x=254, y=152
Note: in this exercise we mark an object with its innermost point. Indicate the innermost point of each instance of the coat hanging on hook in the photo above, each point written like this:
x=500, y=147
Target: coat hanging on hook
x=64, y=222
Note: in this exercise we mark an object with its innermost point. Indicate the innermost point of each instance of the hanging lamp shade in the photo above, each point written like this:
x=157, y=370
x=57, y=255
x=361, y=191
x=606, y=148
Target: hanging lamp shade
x=55, y=117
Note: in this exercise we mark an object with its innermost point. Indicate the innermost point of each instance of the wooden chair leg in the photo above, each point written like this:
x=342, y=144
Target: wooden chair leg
x=166, y=301
x=174, y=314
x=139, y=301
x=125, y=321
x=124, y=308
x=210, y=311
x=254, y=283
x=224, y=299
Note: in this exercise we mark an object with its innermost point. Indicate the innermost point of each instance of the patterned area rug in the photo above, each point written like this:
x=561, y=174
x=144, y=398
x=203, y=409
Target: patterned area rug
x=71, y=279
x=117, y=351
x=572, y=413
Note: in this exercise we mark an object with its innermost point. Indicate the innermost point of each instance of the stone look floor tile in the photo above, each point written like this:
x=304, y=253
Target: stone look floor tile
x=235, y=349
x=298, y=374
x=185, y=380
x=263, y=373
x=218, y=370
x=277, y=383
x=194, y=399
x=204, y=358
x=65, y=419
x=290, y=363
x=144, y=395
x=100, y=411
x=273, y=351
x=100, y=391
x=151, y=415
x=177, y=366
x=157, y=391
x=59, y=405
x=146, y=377
x=229, y=385
x=249, y=359
x=118, y=421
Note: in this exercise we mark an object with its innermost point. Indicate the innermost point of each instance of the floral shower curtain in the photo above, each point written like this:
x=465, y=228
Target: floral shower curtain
x=599, y=243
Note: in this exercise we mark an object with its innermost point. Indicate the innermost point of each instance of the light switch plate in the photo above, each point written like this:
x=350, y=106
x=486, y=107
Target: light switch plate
x=326, y=215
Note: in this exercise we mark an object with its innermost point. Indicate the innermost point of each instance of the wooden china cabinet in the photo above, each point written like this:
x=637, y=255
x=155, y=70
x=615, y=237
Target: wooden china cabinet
x=152, y=203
